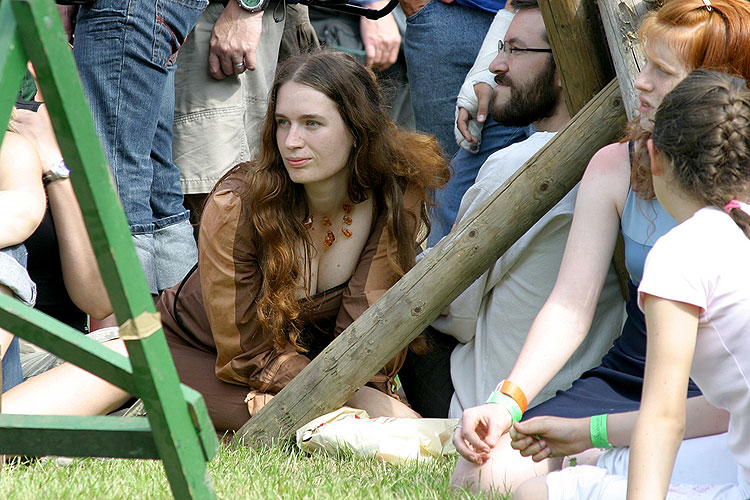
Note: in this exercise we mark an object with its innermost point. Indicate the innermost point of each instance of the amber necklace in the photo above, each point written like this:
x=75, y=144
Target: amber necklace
x=326, y=221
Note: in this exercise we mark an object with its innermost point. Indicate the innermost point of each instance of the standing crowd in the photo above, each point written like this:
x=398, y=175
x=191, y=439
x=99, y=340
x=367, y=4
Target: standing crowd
x=313, y=178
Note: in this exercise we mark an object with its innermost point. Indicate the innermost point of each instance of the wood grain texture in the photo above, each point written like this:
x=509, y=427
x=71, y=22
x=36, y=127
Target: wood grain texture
x=621, y=21
x=579, y=46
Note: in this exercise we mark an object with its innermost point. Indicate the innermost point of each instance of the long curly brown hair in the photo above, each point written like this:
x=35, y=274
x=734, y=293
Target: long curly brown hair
x=384, y=161
x=717, y=39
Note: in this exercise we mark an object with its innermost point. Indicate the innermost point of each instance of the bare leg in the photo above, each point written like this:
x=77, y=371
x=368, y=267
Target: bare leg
x=533, y=489
x=377, y=404
x=505, y=471
x=66, y=390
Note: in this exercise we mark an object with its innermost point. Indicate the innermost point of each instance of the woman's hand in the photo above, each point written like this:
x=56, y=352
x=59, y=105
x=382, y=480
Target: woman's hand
x=479, y=431
x=543, y=437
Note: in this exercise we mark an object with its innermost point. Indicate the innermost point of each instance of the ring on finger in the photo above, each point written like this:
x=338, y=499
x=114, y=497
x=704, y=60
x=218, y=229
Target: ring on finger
x=239, y=65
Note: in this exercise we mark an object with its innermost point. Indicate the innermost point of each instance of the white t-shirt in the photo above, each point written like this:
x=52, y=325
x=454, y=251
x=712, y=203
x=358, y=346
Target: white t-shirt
x=705, y=262
x=492, y=317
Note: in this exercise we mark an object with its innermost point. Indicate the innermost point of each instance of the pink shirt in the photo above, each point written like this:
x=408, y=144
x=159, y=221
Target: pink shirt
x=705, y=262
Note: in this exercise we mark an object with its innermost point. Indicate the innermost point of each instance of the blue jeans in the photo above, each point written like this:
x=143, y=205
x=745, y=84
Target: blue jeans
x=126, y=51
x=440, y=44
x=12, y=375
x=13, y=277
x=465, y=167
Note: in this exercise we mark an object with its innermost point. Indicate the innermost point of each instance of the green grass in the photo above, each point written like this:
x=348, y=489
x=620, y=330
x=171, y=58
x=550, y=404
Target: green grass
x=237, y=473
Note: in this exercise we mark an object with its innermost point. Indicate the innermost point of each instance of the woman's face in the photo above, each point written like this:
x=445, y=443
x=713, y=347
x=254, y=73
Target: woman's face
x=663, y=71
x=312, y=138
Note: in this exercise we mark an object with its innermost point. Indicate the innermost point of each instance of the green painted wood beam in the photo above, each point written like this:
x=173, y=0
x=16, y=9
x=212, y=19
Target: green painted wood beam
x=182, y=435
x=68, y=344
x=12, y=63
x=39, y=435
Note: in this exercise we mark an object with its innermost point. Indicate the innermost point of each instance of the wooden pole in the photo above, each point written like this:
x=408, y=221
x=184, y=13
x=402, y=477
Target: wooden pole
x=410, y=305
x=621, y=20
x=578, y=43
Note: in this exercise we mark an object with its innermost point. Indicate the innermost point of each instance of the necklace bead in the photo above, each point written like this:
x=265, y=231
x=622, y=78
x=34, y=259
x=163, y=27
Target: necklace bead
x=330, y=238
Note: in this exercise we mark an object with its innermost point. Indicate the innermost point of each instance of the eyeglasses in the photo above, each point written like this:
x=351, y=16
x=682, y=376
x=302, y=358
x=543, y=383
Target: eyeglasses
x=507, y=49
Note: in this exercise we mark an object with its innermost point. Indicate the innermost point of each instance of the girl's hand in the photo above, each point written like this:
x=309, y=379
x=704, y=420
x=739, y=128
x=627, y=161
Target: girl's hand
x=543, y=437
x=479, y=431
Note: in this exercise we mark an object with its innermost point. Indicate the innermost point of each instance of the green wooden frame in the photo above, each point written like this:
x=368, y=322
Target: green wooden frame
x=178, y=429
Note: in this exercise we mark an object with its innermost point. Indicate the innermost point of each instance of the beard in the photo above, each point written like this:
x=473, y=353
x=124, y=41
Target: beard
x=529, y=103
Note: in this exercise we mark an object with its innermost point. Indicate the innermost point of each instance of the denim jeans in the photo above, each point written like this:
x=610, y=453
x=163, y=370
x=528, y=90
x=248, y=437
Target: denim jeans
x=12, y=375
x=14, y=278
x=440, y=44
x=126, y=51
x=465, y=168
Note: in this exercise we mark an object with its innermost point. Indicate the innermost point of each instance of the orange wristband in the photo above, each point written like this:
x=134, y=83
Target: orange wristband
x=510, y=389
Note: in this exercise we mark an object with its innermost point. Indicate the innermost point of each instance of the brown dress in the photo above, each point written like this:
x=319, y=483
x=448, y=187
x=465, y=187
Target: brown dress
x=210, y=318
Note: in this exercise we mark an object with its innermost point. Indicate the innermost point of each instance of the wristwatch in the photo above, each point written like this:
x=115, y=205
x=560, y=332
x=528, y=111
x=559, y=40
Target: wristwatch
x=253, y=5
x=58, y=170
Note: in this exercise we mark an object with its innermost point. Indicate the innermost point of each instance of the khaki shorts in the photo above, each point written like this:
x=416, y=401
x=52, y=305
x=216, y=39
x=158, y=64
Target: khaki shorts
x=217, y=122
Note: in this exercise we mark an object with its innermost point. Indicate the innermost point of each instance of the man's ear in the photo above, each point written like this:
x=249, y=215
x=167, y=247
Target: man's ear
x=655, y=159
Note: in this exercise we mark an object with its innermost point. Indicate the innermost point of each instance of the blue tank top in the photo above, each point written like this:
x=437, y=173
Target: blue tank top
x=643, y=222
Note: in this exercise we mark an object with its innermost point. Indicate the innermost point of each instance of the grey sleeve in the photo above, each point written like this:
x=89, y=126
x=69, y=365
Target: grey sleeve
x=13, y=274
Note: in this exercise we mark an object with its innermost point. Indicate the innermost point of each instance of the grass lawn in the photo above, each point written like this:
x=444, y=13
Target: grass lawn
x=281, y=472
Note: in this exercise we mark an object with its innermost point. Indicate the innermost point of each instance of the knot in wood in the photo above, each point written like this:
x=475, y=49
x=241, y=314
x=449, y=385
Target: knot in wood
x=472, y=233
x=418, y=308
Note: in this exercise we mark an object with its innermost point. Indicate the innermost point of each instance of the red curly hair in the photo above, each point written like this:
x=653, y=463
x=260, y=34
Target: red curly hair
x=717, y=39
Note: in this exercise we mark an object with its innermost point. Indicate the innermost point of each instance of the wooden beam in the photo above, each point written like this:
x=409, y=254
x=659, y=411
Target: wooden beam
x=417, y=299
x=579, y=46
x=71, y=436
x=621, y=20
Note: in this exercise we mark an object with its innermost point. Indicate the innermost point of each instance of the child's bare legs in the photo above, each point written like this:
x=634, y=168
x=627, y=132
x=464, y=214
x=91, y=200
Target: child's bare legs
x=533, y=489
x=66, y=390
x=506, y=469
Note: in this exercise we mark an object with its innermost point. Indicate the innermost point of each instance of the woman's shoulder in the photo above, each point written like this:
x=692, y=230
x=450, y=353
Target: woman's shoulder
x=608, y=174
x=226, y=211
x=611, y=160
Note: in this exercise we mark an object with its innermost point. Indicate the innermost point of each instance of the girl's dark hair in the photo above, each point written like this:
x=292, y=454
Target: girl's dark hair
x=702, y=130
x=717, y=39
x=384, y=161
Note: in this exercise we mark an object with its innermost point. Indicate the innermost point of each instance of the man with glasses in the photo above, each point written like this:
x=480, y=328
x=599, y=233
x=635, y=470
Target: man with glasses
x=491, y=318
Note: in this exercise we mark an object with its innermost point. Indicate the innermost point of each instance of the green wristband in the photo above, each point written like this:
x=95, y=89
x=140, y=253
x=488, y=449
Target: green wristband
x=598, y=429
x=508, y=403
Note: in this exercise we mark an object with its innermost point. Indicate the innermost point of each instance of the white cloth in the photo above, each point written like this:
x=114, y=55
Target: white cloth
x=704, y=262
x=491, y=318
x=704, y=469
x=479, y=73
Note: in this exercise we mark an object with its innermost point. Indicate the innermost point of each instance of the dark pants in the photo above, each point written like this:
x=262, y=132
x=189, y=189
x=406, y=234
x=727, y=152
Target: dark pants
x=426, y=378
